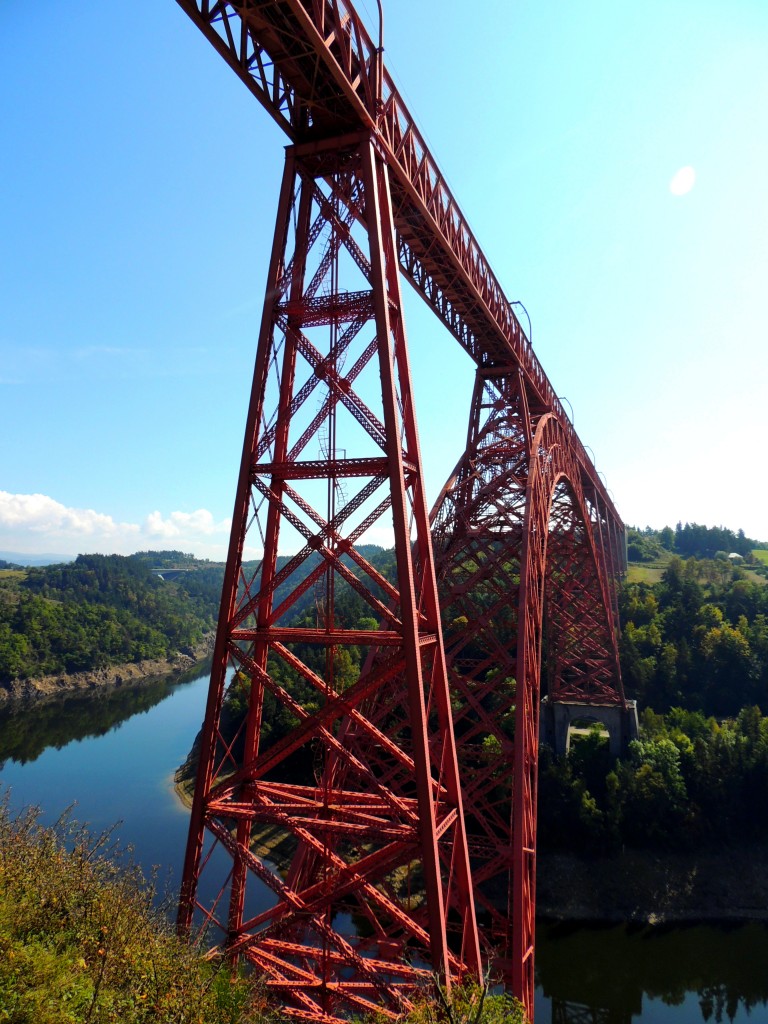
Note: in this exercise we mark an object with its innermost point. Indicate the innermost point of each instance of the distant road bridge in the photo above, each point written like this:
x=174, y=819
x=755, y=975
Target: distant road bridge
x=401, y=760
x=171, y=574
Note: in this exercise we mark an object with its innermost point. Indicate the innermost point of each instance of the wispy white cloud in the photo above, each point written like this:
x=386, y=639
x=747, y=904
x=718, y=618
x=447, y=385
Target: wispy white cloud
x=37, y=513
x=179, y=524
x=37, y=523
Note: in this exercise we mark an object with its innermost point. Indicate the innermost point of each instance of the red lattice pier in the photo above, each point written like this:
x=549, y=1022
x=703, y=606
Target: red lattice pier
x=394, y=756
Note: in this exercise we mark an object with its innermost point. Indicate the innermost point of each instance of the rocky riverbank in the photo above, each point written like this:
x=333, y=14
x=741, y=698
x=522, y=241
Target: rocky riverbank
x=28, y=691
x=725, y=886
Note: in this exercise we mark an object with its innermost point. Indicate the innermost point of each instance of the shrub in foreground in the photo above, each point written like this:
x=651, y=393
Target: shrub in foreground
x=80, y=941
x=468, y=1004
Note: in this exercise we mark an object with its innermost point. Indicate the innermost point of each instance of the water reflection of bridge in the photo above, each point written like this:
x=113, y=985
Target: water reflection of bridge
x=566, y=1012
x=583, y=971
x=618, y=973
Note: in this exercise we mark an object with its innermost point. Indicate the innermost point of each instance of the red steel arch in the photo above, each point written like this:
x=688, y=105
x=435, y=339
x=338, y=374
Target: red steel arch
x=552, y=459
x=517, y=546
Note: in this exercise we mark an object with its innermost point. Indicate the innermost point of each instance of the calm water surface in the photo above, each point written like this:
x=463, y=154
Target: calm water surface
x=110, y=763
x=619, y=974
x=113, y=757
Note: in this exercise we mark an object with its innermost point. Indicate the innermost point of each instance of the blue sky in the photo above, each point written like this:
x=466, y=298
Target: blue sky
x=139, y=185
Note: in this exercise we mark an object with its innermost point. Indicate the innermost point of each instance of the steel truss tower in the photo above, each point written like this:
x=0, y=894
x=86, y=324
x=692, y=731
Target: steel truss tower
x=381, y=881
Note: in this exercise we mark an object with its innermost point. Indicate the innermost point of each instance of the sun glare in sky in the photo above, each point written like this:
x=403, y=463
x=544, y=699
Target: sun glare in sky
x=682, y=181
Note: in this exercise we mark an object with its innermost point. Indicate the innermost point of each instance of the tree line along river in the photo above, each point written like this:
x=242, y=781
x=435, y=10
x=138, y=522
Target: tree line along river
x=110, y=757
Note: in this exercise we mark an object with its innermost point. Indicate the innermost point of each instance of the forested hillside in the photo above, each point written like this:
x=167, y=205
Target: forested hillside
x=698, y=639
x=97, y=611
x=103, y=610
x=694, y=654
x=691, y=540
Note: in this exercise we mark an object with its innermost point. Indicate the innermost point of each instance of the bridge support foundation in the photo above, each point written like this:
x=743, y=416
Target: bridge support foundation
x=620, y=722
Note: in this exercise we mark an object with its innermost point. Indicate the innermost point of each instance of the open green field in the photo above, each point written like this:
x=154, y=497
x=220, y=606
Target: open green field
x=761, y=554
x=648, y=572
x=12, y=574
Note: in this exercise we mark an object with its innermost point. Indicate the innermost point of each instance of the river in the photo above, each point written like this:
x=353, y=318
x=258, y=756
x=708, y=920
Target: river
x=111, y=757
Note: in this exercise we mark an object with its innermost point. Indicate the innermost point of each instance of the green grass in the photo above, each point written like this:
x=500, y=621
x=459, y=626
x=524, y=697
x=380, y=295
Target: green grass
x=651, y=572
x=648, y=572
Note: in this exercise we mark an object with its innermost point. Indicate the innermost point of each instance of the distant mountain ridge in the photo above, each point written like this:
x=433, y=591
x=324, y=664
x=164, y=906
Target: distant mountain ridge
x=19, y=558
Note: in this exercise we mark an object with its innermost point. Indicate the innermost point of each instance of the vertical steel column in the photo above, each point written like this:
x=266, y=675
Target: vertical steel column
x=394, y=363
x=525, y=781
